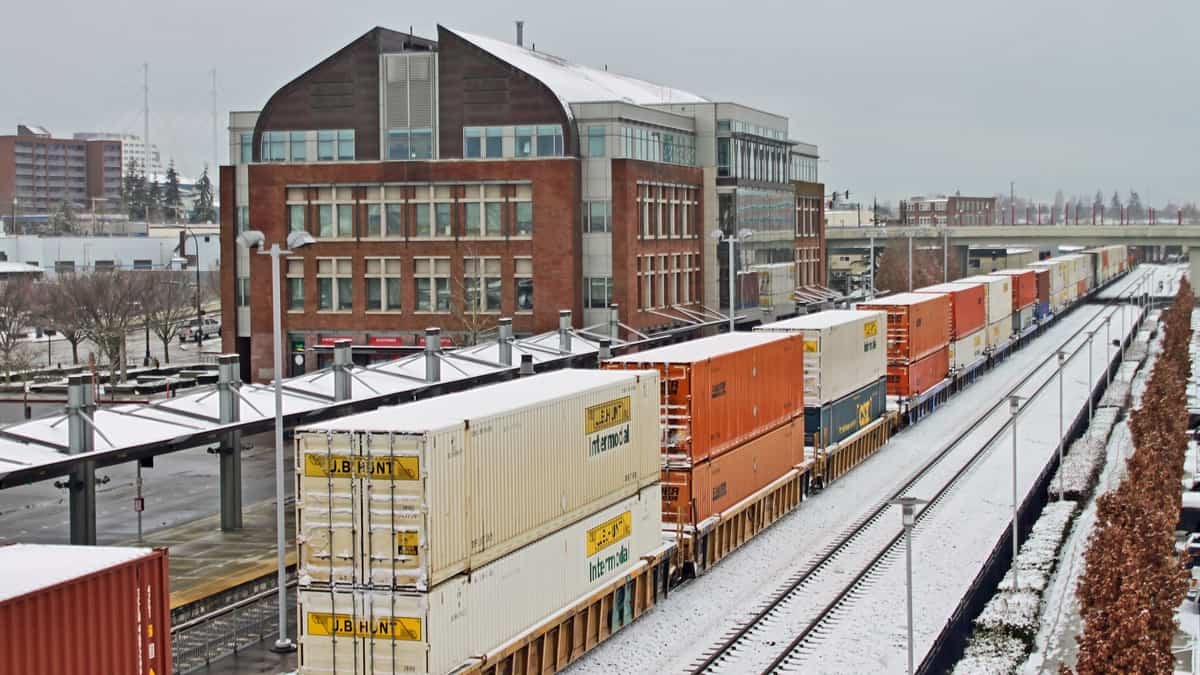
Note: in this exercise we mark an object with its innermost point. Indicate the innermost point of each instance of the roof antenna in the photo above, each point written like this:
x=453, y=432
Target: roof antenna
x=533, y=46
x=520, y=33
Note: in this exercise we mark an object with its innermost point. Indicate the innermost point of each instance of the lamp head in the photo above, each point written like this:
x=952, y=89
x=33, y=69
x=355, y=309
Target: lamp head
x=299, y=239
x=251, y=239
x=745, y=233
x=716, y=234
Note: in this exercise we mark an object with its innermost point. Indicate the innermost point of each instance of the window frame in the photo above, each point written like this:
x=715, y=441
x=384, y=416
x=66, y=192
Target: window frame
x=384, y=276
x=340, y=278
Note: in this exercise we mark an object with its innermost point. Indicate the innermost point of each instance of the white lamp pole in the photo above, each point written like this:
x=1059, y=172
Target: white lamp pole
x=908, y=506
x=1014, y=409
x=742, y=235
x=295, y=240
x=1062, y=358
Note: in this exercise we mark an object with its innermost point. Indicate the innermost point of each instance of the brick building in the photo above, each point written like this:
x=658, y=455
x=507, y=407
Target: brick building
x=452, y=182
x=39, y=173
x=952, y=210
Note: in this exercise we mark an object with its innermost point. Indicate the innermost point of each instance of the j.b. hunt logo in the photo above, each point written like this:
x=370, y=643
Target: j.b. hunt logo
x=607, y=425
x=603, y=564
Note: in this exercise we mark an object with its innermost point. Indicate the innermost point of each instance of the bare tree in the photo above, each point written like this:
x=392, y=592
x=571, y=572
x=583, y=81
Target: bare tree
x=477, y=312
x=110, y=301
x=167, y=303
x=16, y=315
x=58, y=310
x=892, y=272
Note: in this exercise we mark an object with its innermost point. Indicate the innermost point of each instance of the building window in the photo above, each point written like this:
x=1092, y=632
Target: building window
x=549, y=140
x=345, y=220
x=383, y=284
x=432, y=280
x=325, y=220
x=398, y=144
x=524, y=214
x=335, y=289
x=247, y=147
x=241, y=291
x=410, y=143
x=442, y=221
x=140, y=264
x=104, y=265
x=274, y=146
x=65, y=267
x=423, y=228
x=296, y=217
x=295, y=285
x=345, y=142
x=394, y=219
x=596, y=141
x=482, y=286
x=299, y=146
x=472, y=142
x=421, y=143
x=242, y=218
x=325, y=143
x=596, y=217
x=374, y=220
x=523, y=271
x=597, y=292
x=524, y=136
x=483, y=211
x=495, y=142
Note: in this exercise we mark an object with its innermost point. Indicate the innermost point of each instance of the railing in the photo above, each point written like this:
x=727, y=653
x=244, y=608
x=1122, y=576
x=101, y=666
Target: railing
x=198, y=642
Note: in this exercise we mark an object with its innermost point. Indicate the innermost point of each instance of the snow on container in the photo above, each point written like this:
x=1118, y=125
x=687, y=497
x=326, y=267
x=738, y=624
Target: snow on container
x=721, y=391
x=998, y=333
x=835, y=421
x=918, y=324
x=843, y=350
x=966, y=351
x=364, y=631
x=999, y=294
x=968, y=306
x=692, y=494
x=1024, y=287
x=910, y=379
x=78, y=610
x=408, y=496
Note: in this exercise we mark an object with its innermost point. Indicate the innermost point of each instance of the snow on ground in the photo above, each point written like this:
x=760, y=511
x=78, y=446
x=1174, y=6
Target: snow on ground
x=681, y=627
x=1060, y=624
x=1086, y=456
x=1167, y=275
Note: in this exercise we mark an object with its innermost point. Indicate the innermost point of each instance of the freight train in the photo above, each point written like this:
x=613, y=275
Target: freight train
x=513, y=527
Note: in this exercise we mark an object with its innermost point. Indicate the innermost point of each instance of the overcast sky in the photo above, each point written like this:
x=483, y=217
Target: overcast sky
x=902, y=97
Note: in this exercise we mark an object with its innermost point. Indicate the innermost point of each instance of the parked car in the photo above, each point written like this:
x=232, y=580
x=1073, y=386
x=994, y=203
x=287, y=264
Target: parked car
x=209, y=327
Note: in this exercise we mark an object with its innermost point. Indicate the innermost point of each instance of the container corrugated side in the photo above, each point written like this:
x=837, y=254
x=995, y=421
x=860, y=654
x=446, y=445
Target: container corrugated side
x=116, y=619
x=999, y=295
x=911, y=379
x=967, y=350
x=917, y=328
x=433, y=504
x=834, y=421
x=840, y=357
x=364, y=631
x=968, y=306
x=692, y=494
x=1043, y=285
x=1000, y=332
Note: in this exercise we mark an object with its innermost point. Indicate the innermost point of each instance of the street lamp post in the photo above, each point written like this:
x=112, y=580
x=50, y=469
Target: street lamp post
x=295, y=240
x=49, y=346
x=199, y=314
x=1107, y=358
x=908, y=506
x=1062, y=358
x=1014, y=409
x=146, y=323
x=721, y=238
x=1090, y=385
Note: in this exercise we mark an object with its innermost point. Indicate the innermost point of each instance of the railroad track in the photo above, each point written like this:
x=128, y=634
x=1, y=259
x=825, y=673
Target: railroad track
x=774, y=638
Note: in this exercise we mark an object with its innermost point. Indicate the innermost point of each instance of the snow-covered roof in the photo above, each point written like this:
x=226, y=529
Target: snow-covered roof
x=25, y=568
x=575, y=83
x=9, y=267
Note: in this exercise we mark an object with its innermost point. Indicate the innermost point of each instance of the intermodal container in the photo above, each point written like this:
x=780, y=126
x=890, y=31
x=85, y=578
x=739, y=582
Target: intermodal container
x=408, y=496
x=79, y=610
x=837, y=420
x=999, y=294
x=1024, y=287
x=724, y=390
x=692, y=494
x=968, y=306
x=918, y=324
x=843, y=350
x=967, y=350
x=1058, y=272
x=999, y=332
x=1082, y=289
x=1043, y=285
x=910, y=379
x=376, y=631
x=1023, y=319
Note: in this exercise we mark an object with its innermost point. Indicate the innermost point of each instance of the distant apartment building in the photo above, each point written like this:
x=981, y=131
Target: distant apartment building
x=952, y=210
x=133, y=150
x=455, y=181
x=38, y=173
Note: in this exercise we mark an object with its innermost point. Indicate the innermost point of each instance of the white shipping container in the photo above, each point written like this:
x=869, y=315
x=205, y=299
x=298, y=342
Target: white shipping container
x=407, y=496
x=968, y=350
x=999, y=332
x=1060, y=300
x=999, y=294
x=1022, y=319
x=776, y=285
x=844, y=350
x=1058, y=273
x=367, y=632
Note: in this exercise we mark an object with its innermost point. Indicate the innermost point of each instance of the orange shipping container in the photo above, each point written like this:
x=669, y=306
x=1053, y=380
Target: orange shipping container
x=1043, y=285
x=692, y=494
x=722, y=391
x=918, y=324
x=968, y=306
x=1081, y=287
x=1024, y=287
x=913, y=378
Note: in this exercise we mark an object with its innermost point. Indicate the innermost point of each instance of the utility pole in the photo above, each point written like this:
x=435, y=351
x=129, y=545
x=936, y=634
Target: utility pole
x=1012, y=203
x=146, y=120
x=215, y=163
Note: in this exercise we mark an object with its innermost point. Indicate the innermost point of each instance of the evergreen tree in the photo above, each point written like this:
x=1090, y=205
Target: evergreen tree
x=1115, y=205
x=202, y=207
x=154, y=200
x=64, y=221
x=1098, y=201
x=133, y=191
x=1137, y=210
x=172, y=203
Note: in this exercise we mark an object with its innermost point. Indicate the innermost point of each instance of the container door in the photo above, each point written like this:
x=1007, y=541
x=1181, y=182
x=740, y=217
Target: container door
x=395, y=513
x=328, y=508
x=813, y=393
x=677, y=411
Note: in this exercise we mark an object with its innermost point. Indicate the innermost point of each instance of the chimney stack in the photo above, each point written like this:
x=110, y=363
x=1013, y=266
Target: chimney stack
x=520, y=33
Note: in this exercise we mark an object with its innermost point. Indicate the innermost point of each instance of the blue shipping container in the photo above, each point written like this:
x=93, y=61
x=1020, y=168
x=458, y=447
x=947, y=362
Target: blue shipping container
x=837, y=420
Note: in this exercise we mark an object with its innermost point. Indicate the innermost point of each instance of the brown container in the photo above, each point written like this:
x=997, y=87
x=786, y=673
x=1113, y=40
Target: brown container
x=968, y=306
x=83, y=610
x=911, y=379
x=918, y=324
x=1081, y=287
x=694, y=493
x=1024, y=287
x=722, y=391
x=1043, y=286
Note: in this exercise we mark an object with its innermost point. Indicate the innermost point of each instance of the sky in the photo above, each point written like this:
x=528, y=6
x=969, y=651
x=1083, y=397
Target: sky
x=919, y=97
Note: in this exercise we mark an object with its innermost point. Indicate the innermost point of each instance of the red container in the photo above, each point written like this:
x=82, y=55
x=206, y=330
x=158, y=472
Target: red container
x=82, y=610
x=1081, y=288
x=694, y=493
x=968, y=306
x=721, y=391
x=918, y=324
x=1043, y=286
x=913, y=378
x=1024, y=287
